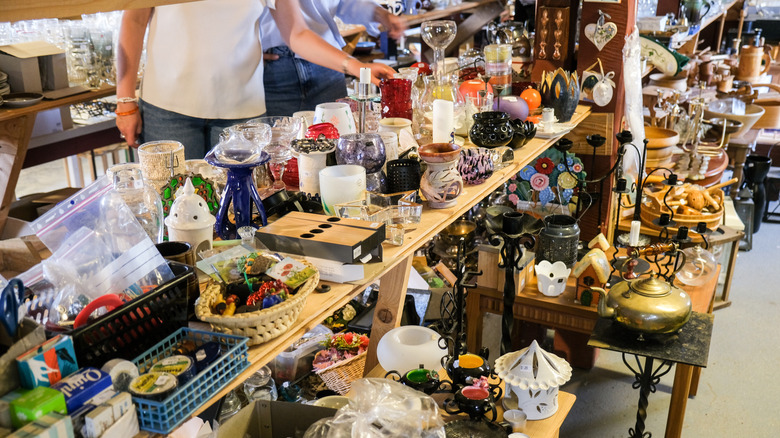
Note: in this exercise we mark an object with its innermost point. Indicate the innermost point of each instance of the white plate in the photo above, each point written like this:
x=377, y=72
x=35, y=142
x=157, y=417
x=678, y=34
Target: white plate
x=557, y=129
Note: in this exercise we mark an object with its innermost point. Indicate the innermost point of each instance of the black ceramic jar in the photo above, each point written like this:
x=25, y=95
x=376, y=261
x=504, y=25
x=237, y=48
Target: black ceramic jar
x=491, y=129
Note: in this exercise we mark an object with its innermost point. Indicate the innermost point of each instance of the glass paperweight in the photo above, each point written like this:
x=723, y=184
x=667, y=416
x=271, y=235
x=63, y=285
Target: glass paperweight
x=261, y=386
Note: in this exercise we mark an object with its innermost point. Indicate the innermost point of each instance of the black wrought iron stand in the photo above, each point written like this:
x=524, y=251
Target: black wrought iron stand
x=509, y=241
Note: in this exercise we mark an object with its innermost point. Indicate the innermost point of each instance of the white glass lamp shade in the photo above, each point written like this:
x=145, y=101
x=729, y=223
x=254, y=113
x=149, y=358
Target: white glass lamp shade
x=337, y=113
x=340, y=184
x=404, y=348
x=699, y=268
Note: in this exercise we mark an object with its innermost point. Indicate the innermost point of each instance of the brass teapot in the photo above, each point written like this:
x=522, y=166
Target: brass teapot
x=649, y=305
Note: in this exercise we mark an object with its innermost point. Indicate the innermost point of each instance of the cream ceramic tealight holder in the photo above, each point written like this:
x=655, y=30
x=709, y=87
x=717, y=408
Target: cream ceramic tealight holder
x=551, y=277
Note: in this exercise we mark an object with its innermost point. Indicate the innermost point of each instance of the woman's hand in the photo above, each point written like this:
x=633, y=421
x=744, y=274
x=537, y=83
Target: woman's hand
x=129, y=125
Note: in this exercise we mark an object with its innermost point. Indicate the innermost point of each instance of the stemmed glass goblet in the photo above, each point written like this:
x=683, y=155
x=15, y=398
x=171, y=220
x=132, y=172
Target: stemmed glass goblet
x=283, y=131
x=438, y=34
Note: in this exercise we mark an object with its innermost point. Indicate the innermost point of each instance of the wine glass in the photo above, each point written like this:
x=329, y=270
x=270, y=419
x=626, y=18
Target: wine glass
x=438, y=34
x=283, y=131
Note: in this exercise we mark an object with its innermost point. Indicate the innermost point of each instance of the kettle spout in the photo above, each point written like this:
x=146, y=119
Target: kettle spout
x=604, y=311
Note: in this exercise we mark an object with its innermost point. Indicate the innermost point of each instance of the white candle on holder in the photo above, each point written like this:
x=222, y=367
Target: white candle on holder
x=365, y=75
x=443, y=120
x=633, y=237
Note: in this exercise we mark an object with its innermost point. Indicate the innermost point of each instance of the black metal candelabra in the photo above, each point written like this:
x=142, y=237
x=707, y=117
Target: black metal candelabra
x=453, y=309
x=510, y=241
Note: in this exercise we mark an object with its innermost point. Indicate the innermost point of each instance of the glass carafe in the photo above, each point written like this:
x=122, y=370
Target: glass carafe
x=446, y=89
x=143, y=200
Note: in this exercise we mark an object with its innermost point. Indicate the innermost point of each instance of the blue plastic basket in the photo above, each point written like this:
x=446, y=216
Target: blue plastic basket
x=166, y=415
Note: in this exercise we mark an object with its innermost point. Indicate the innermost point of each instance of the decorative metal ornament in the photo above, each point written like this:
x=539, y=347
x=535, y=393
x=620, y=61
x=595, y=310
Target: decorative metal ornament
x=601, y=32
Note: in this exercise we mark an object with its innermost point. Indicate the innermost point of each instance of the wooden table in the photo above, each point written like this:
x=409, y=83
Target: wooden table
x=576, y=322
x=393, y=271
x=16, y=126
x=546, y=428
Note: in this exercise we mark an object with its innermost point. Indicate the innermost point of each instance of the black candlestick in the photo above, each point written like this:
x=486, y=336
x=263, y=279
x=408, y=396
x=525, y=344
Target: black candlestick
x=509, y=241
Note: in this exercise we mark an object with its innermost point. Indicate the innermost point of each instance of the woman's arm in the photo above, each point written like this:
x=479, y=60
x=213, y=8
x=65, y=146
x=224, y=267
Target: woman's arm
x=312, y=48
x=131, y=42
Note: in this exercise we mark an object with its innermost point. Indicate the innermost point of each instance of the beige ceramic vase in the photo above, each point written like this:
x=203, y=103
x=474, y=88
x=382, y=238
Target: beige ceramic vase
x=442, y=182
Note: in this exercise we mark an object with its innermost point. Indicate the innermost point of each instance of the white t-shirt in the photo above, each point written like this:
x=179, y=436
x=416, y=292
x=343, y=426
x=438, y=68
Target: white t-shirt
x=204, y=59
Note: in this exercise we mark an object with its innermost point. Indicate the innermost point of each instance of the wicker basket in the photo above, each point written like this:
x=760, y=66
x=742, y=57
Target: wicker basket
x=339, y=377
x=262, y=325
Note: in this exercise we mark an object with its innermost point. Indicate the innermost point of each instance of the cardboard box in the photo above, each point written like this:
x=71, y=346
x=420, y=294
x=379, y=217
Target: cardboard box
x=36, y=403
x=51, y=425
x=47, y=363
x=272, y=419
x=34, y=66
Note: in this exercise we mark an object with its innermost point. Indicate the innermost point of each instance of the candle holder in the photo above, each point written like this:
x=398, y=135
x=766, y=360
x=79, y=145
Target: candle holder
x=510, y=241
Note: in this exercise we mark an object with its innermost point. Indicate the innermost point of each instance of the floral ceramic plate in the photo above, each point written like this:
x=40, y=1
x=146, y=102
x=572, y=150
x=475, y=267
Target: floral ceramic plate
x=667, y=61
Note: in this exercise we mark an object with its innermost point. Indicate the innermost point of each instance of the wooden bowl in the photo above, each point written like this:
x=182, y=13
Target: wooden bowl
x=771, y=117
x=752, y=114
x=659, y=138
x=675, y=83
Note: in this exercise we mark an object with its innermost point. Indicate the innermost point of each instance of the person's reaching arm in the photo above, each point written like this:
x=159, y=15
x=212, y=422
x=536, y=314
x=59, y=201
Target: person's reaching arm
x=131, y=41
x=312, y=48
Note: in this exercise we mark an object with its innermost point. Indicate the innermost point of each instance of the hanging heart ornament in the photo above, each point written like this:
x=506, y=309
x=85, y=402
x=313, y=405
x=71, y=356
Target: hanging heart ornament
x=601, y=32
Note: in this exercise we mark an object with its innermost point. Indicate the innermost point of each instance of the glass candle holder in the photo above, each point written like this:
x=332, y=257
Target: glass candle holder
x=396, y=98
x=498, y=67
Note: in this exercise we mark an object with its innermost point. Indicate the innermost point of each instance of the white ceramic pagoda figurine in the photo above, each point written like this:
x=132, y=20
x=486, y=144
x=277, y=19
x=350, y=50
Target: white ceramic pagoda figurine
x=190, y=220
x=532, y=377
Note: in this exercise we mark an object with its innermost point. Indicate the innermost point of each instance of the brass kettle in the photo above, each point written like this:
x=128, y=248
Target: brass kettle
x=649, y=305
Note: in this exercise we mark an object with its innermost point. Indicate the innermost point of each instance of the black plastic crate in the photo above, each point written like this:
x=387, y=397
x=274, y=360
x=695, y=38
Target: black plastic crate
x=138, y=325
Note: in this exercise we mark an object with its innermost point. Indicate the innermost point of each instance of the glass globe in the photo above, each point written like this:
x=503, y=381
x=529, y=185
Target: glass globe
x=699, y=268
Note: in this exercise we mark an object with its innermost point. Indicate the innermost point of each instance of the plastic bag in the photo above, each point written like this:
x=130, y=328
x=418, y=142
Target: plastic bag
x=120, y=257
x=382, y=408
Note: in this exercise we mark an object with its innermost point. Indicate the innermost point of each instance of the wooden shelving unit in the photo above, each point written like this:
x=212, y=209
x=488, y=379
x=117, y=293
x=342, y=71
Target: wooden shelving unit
x=394, y=268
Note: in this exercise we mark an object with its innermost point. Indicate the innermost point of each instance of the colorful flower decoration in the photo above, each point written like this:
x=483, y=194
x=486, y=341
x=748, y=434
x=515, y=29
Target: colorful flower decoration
x=567, y=194
x=545, y=165
x=527, y=172
x=567, y=181
x=540, y=182
x=547, y=179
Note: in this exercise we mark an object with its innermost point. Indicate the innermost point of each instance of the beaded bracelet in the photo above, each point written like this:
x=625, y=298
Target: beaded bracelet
x=127, y=100
x=127, y=113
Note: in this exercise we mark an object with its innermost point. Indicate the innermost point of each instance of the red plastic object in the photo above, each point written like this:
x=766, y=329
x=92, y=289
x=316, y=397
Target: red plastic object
x=327, y=129
x=109, y=301
x=423, y=68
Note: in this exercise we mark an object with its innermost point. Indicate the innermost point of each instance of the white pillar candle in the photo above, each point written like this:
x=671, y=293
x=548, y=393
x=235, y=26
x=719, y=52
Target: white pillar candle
x=365, y=75
x=443, y=120
x=633, y=237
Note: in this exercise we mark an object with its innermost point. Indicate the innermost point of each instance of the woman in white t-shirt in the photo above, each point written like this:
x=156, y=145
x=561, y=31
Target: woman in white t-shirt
x=204, y=68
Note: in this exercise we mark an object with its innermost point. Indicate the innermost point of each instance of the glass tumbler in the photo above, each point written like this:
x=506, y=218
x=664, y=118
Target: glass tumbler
x=261, y=386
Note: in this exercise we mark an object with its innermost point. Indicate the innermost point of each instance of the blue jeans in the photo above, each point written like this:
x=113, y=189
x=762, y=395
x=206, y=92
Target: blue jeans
x=197, y=135
x=294, y=84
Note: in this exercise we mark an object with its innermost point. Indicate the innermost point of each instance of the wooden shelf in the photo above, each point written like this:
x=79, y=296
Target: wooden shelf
x=691, y=41
x=34, y=9
x=438, y=14
x=320, y=306
x=13, y=113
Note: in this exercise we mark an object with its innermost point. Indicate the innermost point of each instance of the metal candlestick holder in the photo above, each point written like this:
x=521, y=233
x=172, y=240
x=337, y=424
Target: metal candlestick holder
x=510, y=241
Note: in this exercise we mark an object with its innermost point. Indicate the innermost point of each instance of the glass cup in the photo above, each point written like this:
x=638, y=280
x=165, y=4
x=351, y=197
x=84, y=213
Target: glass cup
x=498, y=67
x=261, y=386
x=341, y=184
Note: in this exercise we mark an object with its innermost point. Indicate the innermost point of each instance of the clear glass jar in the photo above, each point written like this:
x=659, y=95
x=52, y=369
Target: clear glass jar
x=142, y=199
x=447, y=89
x=261, y=386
